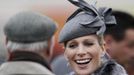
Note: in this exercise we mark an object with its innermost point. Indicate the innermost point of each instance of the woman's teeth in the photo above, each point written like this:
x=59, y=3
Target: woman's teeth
x=85, y=61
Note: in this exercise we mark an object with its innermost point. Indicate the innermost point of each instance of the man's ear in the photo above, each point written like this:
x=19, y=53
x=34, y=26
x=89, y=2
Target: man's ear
x=108, y=40
x=48, y=51
x=50, y=48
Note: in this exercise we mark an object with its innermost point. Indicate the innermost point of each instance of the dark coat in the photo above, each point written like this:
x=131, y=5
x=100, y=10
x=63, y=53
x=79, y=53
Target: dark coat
x=110, y=68
x=25, y=63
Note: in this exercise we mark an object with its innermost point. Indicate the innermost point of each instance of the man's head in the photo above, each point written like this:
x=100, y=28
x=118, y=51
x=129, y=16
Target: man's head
x=120, y=39
x=30, y=31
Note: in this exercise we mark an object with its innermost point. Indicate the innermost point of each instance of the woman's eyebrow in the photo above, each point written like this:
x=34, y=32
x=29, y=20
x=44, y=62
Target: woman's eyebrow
x=88, y=40
x=73, y=41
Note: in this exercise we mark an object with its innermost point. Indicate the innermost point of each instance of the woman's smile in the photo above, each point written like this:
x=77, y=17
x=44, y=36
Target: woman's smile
x=84, y=54
x=82, y=64
x=83, y=61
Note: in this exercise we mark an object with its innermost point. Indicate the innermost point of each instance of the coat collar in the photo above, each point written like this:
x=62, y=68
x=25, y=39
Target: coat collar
x=28, y=56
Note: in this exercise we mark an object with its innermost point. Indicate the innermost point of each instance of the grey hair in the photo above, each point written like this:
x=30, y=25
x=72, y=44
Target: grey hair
x=37, y=46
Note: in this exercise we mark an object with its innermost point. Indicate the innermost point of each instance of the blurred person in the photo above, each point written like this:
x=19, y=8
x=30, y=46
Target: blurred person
x=60, y=65
x=120, y=40
x=29, y=41
x=82, y=37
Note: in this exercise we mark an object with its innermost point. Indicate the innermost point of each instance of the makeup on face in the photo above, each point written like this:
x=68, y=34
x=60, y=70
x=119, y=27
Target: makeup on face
x=83, y=54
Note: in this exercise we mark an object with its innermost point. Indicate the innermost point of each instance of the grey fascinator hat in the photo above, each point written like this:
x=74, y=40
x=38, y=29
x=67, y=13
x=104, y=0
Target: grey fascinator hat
x=86, y=20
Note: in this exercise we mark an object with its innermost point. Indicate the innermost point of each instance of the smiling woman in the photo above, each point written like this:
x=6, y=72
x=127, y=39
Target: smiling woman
x=84, y=54
x=82, y=36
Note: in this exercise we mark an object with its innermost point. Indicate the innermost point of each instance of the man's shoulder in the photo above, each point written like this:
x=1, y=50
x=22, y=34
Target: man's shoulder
x=23, y=67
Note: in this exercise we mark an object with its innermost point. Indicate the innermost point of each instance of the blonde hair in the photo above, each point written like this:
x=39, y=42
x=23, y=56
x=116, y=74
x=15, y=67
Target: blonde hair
x=101, y=39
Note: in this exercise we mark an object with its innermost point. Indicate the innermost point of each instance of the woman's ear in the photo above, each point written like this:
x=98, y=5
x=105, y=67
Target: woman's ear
x=65, y=55
x=103, y=47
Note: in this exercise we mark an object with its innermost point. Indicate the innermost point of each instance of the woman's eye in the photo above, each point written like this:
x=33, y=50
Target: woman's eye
x=72, y=46
x=88, y=44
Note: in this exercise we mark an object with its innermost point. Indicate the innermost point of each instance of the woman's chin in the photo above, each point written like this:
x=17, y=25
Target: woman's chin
x=82, y=72
x=85, y=69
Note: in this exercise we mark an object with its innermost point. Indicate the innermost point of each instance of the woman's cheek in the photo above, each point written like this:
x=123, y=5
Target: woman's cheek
x=69, y=53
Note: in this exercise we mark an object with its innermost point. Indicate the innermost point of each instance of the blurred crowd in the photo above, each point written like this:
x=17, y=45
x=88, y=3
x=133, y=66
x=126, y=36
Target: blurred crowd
x=96, y=41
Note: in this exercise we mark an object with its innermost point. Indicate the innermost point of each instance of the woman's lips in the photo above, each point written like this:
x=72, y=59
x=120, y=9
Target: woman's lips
x=83, y=61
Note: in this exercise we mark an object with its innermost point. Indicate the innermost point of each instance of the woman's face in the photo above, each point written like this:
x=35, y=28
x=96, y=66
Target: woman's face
x=83, y=54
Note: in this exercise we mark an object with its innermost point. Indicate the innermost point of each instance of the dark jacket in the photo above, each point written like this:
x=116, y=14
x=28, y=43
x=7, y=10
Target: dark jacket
x=25, y=63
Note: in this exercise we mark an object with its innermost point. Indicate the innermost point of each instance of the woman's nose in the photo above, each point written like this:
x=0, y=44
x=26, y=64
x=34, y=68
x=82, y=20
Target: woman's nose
x=81, y=52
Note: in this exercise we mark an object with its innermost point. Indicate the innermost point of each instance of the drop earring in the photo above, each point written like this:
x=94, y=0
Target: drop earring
x=103, y=58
